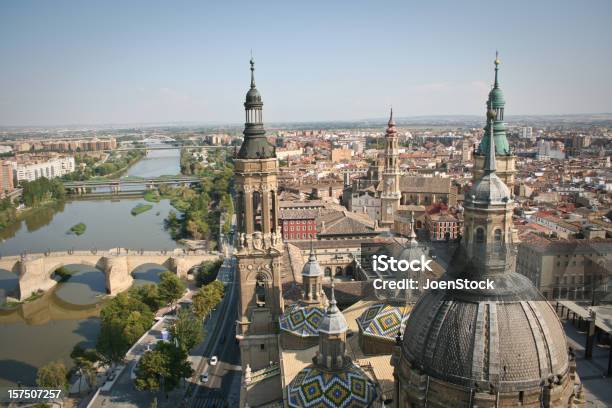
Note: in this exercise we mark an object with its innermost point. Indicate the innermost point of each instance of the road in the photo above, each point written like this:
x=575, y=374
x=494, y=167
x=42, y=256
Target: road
x=223, y=386
x=224, y=383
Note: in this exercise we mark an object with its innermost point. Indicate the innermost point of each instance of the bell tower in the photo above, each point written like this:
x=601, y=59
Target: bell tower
x=391, y=195
x=259, y=244
x=506, y=159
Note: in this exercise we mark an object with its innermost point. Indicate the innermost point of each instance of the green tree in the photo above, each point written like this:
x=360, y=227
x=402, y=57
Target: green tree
x=187, y=330
x=170, y=287
x=123, y=321
x=162, y=368
x=52, y=375
x=149, y=295
x=207, y=272
x=207, y=297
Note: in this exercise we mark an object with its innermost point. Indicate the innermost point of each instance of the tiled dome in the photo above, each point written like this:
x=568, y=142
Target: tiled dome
x=316, y=387
x=301, y=320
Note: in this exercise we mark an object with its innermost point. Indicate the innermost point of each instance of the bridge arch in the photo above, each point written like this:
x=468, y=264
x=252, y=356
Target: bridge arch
x=35, y=270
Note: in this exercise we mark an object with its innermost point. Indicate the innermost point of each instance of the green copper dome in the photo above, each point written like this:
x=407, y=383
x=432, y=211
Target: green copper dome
x=496, y=103
x=496, y=98
x=502, y=147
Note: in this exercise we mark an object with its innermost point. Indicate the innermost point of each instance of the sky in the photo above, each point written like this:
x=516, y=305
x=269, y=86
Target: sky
x=124, y=62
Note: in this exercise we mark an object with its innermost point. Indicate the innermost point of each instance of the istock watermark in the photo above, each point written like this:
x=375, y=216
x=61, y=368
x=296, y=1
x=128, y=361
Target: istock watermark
x=388, y=265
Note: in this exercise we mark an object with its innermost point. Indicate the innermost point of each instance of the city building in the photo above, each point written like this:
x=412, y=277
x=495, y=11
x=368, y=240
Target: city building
x=341, y=155
x=6, y=178
x=565, y=269
x=442, y=225
x=50, y=168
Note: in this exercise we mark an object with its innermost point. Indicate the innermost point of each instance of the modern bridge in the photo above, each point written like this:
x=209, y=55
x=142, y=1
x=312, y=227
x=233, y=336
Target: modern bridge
x=35, y=271
x=116, y=185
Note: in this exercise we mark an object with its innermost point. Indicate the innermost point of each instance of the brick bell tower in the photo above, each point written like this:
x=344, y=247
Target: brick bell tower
x=390, y=197
x=259, y=244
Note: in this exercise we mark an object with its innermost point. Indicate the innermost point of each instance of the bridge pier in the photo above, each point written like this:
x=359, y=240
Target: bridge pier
x=33, y=277
x=118, y=277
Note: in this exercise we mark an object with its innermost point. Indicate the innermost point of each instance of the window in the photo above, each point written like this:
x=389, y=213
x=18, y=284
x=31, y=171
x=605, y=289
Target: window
x=262, y=347
x=498, y=235
x=480, y=238
x=260, y=291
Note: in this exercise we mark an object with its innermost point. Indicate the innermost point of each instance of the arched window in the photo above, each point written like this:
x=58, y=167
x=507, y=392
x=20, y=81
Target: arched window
x=497, y=235
x=257, y=211
x=338, y=270
x=273, y=218
x=260, y=291
x=240, y=212
x=480, y=236
x=328, y=271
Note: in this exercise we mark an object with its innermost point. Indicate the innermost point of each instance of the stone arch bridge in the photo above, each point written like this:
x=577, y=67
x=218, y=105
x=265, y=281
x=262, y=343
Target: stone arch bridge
x=35, y=270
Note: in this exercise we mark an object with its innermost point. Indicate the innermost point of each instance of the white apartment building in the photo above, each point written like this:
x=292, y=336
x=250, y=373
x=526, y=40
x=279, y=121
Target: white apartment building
x=55, y=167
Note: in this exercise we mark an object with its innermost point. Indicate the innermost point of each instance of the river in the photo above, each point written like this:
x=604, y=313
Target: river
x=47, y=329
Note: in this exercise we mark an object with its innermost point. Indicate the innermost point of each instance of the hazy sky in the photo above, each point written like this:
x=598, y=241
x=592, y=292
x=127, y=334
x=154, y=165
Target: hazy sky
x=97, y=62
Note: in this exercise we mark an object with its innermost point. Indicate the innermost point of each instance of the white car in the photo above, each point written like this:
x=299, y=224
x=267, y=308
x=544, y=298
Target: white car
x=204, y=378
x=213, y=360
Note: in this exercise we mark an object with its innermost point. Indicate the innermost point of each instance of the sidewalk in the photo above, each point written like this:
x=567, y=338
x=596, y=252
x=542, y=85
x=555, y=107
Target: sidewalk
x=597, y=387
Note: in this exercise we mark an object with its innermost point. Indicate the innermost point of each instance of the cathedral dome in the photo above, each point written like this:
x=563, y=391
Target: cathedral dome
x=312, y=267
x=253, y=97
x=316, y=387
x=496, y=98
x=489, y=189
x=509, y=338
x=302, y=320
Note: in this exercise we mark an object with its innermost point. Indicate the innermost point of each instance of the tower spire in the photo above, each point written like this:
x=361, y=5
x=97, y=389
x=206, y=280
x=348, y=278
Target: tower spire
x=490, y=164
x=391, y=121
x=497, y=62
x=412, y=234
x=252, y=71
x=312, y=256
x=333, y=308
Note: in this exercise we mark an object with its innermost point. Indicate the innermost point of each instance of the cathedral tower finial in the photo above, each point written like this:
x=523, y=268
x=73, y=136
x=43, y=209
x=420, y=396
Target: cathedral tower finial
x=252, y=71
x=412, y=234
x=497, y=62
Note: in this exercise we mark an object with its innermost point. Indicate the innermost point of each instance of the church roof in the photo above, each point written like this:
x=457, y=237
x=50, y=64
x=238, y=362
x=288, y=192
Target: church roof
x=421, y=184
x=301, y=320
x=317, y=387
x=383, y=320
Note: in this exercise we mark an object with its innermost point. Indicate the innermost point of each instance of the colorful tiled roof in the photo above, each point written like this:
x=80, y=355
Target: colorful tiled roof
x=381, y=320
x=302, y=320
x=315, y=387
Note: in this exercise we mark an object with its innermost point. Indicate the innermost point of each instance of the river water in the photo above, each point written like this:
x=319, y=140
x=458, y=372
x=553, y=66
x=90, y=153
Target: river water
x=46, y=329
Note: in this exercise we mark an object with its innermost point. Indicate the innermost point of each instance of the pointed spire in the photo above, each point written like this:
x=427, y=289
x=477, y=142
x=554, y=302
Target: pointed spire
x=391, y=121
x=497, y=62
x=412, y=234
x=312, y=257
x=252, y=71
x=490, y=164
x=333, y=308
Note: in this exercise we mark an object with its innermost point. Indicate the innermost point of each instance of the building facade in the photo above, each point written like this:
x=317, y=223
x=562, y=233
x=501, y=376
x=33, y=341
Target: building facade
x=55, y=167
x=6, y=178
